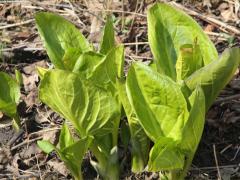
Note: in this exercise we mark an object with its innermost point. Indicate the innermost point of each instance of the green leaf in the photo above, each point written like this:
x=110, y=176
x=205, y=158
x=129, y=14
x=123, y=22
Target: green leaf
x=189, y=60
x=9, y=95
x=41, y=71
x=102, y=113
x=46, y=146
x=168, y=30
x=108, y=41
x=59, y=36
x=193, y=129
x=19, y=77
x=157, y=101
x=75, y=152
x=165, y=156
x=139, y=140
x=89, y=108
x=87, y=63
x=65, y=138
x=65, y=93
x=71, y=155
x=70, y=58
x=216, y=75
x=109, y=69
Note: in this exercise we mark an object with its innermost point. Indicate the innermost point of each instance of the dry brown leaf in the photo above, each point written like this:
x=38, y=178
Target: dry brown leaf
x=209, y=28
x=5, y=157
x=227, y=12
x=59, y=167
x=29, y=151
x=51, y=136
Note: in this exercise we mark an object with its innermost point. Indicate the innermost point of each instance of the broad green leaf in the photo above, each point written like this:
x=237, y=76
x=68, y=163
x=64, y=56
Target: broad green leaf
x=65, y=93
x=9, y=95
x=65, y=138
x=89, y=108
x=46, y=146
x=189, y=60
x=108, y=41
x=75, y=152
x=168, y=30
x=153, y=65
x=71, y=155
x=70, y=58
x=87, y=63
x=216, y=75
x=102, y=113
x=41, y=71
x=139, y=140
x=109, y=69
x=193, y=129
x=59, y=36
x=157, y=101
x=165, y=155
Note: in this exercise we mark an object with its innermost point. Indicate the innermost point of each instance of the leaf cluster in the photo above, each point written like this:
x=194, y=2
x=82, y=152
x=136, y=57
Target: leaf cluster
x=165, y=102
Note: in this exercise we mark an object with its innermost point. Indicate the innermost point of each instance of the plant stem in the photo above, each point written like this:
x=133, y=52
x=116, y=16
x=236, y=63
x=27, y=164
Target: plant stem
x=16, y=122
x=186, y=166
x=107, y=167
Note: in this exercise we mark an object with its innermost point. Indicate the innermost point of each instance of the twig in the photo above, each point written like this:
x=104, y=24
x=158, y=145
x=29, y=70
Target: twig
x=123, y=15
x=139, y=57
x=235, y=155
x=12, y=1
x=216, y=161
x=229, y=98
x=220, y=24
x=15, y=137
x=135, y=43
x=134, y=16
x=227, y=147
x=17, y=24
x=25, y=142
x=75, y=14
x=44, y=130
x=214, y=167
x=39, y=170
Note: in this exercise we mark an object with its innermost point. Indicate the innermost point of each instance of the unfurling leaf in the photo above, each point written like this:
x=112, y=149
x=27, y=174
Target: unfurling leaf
x=168, y=30
x=108, y=39
x=215, y=76
x=60, y=37
x=157, y=101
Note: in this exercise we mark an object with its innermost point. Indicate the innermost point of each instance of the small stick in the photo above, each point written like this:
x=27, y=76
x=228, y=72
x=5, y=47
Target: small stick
x=213, y=167
x=17, y=24
x=25, y=142
x=216, y=161
x=228, y=98
x=236, y=154
x=227, y=147
x=15, y=137
x=134, y=16
x=123, y=15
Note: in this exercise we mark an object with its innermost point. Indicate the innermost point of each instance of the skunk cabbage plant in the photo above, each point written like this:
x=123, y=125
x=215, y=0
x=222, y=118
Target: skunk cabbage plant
x=9, y=97
x=82, y=89
x=183, y=51
x=169, y=98
x=165, y=102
